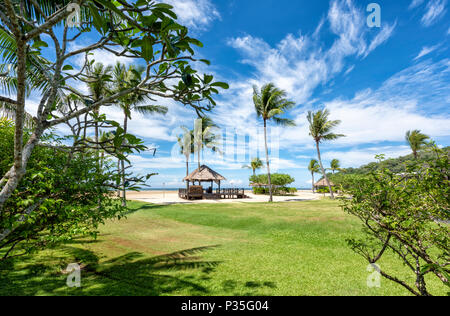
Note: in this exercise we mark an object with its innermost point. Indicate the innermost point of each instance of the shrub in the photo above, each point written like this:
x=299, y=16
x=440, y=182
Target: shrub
x=61, y=196
x=407, y=214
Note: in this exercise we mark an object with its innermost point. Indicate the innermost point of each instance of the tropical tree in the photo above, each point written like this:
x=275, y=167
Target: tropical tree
x=320, y=128
x=124, y=79
x=256, y=164
x=147, y=32
x=186, y=146
x=416, y=140
x=335, y=165
x=270, y=103
x=98, y=80
x=313, y=167
x=205, y=136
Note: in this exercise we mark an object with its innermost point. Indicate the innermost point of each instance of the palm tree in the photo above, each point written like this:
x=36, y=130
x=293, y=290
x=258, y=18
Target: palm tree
x=186, y=146
x=204, y=136
x=313, y=168
x=320, y=129
x=416, y=140
x=124, y=79
x=256, y=164
x=98, y=80
x=270, y=103
x=335, y=165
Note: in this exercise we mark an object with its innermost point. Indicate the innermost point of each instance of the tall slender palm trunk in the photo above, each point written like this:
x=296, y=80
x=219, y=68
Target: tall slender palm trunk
x=323, y=170
x=198, y=153
x=122, y=163
x=267, y=160
x=313, y=184
x=187, y=171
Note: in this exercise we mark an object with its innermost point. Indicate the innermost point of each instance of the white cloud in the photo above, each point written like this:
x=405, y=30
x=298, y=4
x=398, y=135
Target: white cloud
x=358, y=157
x=385, y=114
x=435, y=9
x=196, y=14
x=426, y=50
x=299, y=64
x=415, y=3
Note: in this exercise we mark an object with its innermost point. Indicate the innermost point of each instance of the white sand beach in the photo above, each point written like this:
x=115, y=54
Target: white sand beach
x=171, y=197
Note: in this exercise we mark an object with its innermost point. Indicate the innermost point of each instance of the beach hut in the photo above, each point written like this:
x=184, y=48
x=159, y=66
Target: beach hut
x=322, y=184
x=205, y=174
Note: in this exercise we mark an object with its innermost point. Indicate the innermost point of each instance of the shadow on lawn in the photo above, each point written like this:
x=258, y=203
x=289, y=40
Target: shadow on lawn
x=130, y=274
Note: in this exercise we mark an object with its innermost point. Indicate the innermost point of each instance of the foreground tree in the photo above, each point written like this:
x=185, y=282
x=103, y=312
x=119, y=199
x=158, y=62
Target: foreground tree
x=320, y=128
x=256, y=164
x=270, y=103
x=407, y=214
x=313, y=167
x=144, y=31
x=416, y=141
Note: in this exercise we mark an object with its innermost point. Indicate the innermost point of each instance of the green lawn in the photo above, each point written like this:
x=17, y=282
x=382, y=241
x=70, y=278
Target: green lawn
x=260, y=249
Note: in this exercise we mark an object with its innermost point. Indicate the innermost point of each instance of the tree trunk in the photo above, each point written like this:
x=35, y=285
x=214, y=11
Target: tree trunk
x=313, y=187
x=323, y=170
x=267, y=160
x=198, y=157
x=124, y=188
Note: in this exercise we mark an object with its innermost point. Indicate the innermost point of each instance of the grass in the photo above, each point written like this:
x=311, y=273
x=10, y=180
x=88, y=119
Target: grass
x=244, y=249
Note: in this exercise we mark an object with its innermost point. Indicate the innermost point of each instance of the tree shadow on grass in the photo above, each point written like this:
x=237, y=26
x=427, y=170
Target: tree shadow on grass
x=246, y=288
x=130, y=274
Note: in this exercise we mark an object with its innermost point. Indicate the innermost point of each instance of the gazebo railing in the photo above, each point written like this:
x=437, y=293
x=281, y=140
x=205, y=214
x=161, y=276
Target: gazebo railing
x=216, y=194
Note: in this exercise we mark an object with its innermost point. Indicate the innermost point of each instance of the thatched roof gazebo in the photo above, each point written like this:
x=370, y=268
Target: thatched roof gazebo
x=201, y=175
x=322, y=183
x=205, y=174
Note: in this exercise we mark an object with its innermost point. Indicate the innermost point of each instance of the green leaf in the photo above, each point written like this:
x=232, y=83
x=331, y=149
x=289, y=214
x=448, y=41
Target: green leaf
x=38, y=44
x=67, y=67
x=222, y=85
x=147, y=48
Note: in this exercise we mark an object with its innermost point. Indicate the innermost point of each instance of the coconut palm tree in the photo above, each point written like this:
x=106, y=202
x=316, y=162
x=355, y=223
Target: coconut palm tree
x=186, y=144
x=416, y=140
x=98, y=80
x=123, y=79
x=205, y=137
x=313, y=168
x=270, y=103
x=256, y=164
x=335, y=165
x=320, y=128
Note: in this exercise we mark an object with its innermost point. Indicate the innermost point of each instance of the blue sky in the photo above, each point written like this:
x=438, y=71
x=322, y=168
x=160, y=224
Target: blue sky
x=380, y=82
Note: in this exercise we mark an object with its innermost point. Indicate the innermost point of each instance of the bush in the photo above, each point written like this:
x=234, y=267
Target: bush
x=407, y=214
x=257, y=190
x=323, y=190
x=61, y=196
x=277, y=179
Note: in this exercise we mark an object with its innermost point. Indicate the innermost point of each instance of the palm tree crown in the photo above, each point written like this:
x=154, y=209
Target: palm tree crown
x=205, y=136
x=313, y=167
x=254, y=165
x=335, y=165
x=320, y=128
x=416, y=140
x=270, y=103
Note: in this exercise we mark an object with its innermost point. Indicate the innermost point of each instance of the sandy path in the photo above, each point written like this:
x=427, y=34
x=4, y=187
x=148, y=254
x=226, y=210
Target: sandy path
x=171, y=197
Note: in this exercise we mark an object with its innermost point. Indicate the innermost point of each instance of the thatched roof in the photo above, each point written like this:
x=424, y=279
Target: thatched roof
x=204, y=174
x=322, y=183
